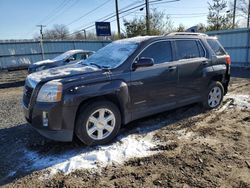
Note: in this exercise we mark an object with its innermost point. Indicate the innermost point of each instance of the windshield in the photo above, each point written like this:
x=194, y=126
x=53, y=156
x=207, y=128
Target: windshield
x=112, y=55
x=62, y=56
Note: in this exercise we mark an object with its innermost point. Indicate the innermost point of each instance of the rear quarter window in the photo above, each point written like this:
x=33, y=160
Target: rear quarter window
x=216, y=47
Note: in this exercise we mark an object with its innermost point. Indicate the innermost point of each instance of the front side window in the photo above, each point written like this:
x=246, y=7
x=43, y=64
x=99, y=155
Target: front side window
x=187, y=49
x=160, y=51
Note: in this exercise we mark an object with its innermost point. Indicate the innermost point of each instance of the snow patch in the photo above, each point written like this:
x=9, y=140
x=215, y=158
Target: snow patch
x=137, y=39
x=60, y=71
x=135, y=145
x=239, y=101
x=47, y=61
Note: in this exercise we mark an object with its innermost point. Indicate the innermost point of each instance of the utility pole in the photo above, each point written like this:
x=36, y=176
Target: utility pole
x=147, y=17
x=85, y=35
x=248, y=15
x=41, y=40
x=234, y=13
x=117, y=19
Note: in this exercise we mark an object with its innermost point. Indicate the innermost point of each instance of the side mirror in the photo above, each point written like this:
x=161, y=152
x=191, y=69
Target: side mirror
x=143, y=62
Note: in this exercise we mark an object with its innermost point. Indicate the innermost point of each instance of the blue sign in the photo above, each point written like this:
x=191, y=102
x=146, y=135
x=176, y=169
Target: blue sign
x=103, y=28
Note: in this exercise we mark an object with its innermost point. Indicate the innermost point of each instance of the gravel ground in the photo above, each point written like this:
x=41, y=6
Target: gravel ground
x=197, y=148
x=12, y=78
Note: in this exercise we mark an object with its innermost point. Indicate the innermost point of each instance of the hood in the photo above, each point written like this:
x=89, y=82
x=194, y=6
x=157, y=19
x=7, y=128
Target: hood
x=47, y=61
x=58, y=73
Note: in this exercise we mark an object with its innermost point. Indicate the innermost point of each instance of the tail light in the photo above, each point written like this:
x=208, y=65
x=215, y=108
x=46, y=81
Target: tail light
x=228, y=60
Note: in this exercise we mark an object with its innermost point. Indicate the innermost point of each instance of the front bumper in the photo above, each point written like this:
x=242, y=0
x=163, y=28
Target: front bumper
x=60, y=121
x=58, y=135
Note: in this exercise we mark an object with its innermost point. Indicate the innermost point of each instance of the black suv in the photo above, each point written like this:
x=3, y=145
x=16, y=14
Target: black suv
x=126, y=80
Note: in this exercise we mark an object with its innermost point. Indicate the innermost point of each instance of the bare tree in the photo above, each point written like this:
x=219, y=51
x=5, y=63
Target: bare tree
x=180, y=28
x=58, y=32
x=160, y=23
x=79, y=36
x=241, y=7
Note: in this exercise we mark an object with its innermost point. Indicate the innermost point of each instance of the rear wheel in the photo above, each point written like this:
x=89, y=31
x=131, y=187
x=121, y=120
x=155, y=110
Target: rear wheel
x=214, y=95
x=98, y=123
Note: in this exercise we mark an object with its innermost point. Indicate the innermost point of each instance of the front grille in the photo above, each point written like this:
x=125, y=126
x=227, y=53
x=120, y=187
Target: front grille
x=27, y=95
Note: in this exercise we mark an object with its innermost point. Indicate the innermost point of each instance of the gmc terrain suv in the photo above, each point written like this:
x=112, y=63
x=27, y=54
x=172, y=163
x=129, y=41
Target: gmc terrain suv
x=126, y=80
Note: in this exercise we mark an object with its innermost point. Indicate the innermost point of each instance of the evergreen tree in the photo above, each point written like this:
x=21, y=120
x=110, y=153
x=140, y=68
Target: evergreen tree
x=218, y=18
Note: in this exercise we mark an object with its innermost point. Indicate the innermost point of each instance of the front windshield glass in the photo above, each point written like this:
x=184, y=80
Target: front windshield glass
x=112, y=55
x=62, y=56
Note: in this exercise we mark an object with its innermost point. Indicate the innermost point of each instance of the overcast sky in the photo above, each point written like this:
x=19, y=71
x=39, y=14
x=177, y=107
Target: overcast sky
x=18, y=18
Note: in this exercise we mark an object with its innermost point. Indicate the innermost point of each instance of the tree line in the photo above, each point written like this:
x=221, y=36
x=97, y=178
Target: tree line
x=220, y=17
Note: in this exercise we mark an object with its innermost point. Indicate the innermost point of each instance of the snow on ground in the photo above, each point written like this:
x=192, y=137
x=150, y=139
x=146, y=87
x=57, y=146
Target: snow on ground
x=240, y=101
x=126, y=147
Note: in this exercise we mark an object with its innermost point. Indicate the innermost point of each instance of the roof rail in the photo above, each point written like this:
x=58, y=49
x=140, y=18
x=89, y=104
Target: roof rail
x=187, y=33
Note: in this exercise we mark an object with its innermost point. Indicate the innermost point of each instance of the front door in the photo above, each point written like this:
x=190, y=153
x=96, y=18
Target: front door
x=153, y=89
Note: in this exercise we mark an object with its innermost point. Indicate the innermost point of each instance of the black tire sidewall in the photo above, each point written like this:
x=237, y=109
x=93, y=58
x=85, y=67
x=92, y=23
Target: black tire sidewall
x=85, y=112
x=212, y=85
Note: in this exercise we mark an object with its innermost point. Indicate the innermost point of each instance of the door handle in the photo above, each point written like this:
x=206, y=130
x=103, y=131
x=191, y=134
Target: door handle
x=172, y=68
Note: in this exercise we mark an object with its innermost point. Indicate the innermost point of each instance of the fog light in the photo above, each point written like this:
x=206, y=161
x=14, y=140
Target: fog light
x=45, y=119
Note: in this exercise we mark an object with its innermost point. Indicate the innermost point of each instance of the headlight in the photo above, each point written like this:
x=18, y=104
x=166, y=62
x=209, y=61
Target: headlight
x=50, y=92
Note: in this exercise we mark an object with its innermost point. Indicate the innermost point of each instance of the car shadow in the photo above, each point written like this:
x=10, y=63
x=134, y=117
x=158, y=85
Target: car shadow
x=23, y=150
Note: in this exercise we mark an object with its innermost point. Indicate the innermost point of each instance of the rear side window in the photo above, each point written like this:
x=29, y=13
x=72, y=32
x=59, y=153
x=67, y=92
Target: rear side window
x=189, y=49
x=216, y=46
x=160, y=51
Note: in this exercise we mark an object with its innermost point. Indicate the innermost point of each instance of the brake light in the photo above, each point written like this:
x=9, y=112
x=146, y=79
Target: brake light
x=228, y=60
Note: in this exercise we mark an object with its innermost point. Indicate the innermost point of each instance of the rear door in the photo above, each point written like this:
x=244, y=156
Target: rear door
x=153, y=89
x=191, y=56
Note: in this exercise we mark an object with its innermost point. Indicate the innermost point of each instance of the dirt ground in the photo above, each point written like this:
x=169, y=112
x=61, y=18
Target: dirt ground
x=196, y=148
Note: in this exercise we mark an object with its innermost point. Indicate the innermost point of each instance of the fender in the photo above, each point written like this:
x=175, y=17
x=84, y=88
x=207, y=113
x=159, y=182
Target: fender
x=114, y=89
x=214, y=70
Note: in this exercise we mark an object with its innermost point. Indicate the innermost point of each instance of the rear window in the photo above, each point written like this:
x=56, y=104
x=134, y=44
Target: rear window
x=216, y=46
x=189, y=49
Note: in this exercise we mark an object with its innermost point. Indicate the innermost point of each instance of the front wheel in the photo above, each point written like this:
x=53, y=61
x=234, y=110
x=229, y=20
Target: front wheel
x=98, y=123
x=214, y=95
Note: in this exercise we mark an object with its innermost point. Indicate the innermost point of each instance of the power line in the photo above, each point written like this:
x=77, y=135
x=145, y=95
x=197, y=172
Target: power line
x=196, y=16
x=63, y=9
x=121, y=12
x=91, y=11
x=48, y=15
x=53, y=11
x=111, y=15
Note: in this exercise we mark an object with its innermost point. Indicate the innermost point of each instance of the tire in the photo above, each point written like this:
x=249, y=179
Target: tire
x=214, y=95
x=98, y=123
